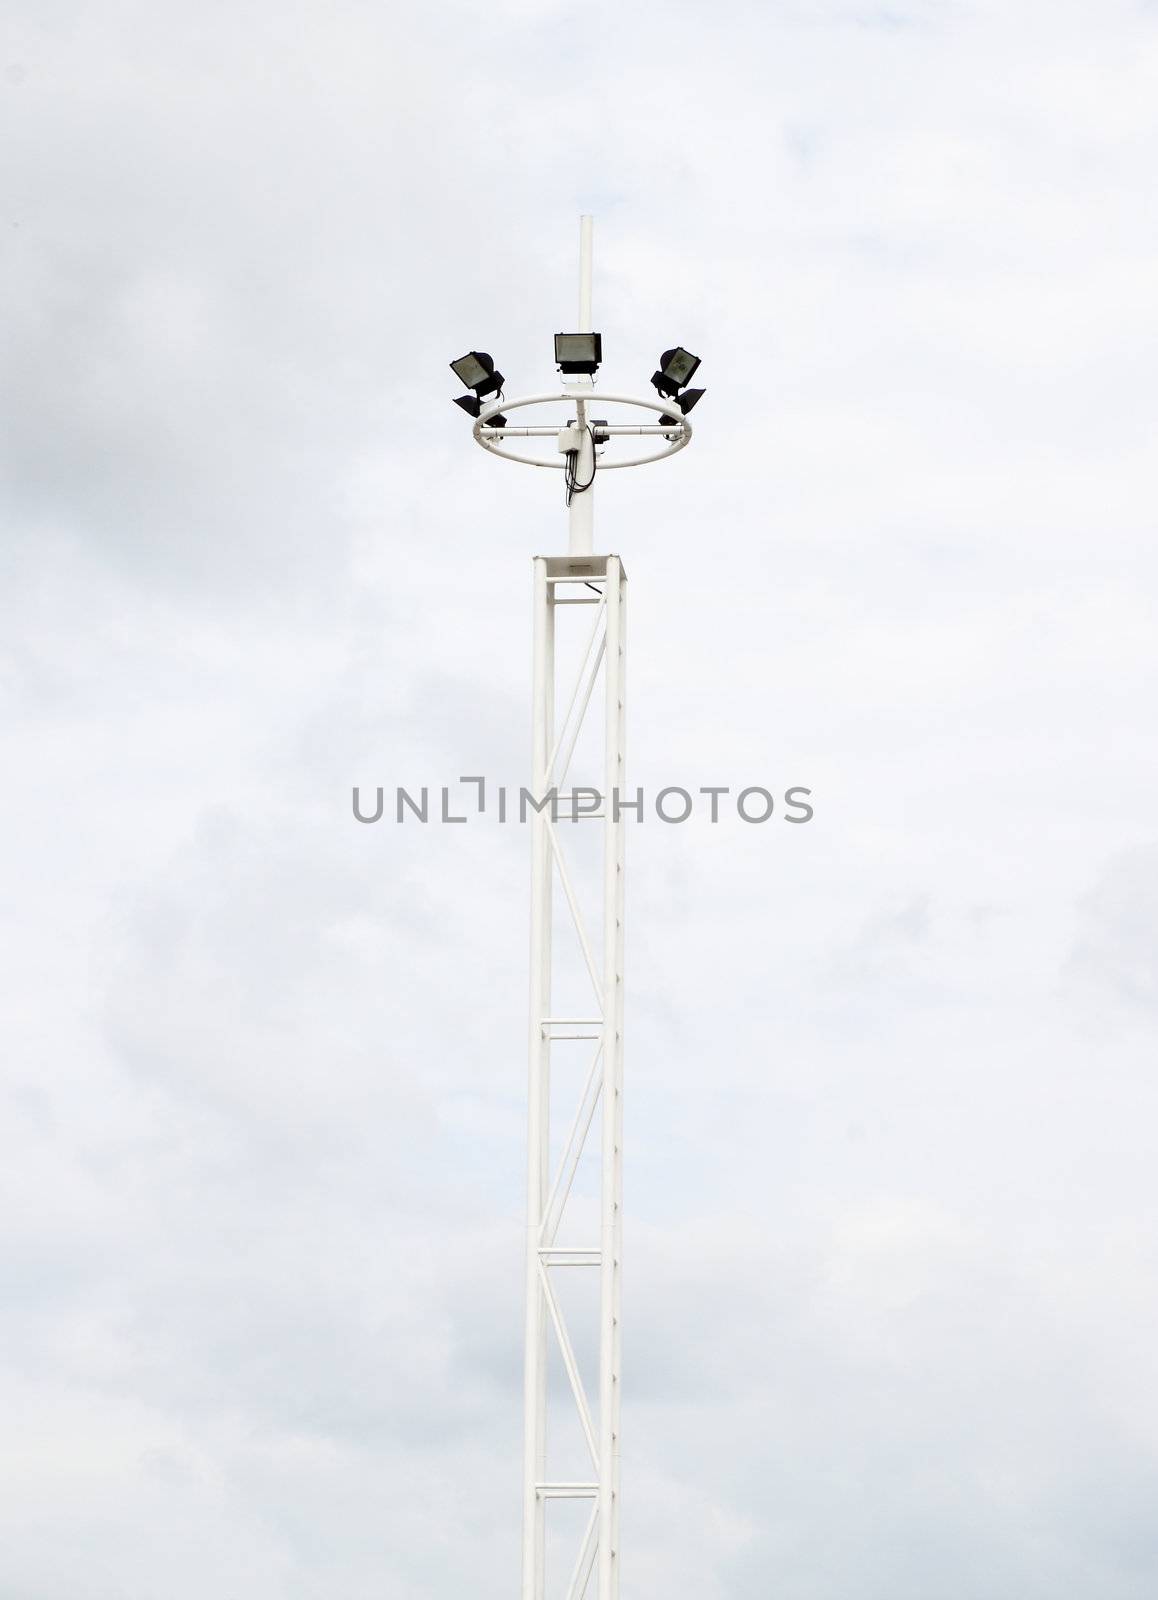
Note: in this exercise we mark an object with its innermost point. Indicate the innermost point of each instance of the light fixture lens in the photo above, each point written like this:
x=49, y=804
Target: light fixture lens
x=690, y=398
x=578, y=352
x=678, y=366
x=473, y=369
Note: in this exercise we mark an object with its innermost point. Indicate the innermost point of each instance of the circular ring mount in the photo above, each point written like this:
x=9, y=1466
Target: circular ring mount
x=588, y=398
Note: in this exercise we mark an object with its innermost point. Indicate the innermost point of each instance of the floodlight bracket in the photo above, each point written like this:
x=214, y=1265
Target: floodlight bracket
x=676, y=436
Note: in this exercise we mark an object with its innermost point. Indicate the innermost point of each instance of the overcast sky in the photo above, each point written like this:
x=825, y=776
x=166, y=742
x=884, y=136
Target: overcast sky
x=891, y=1288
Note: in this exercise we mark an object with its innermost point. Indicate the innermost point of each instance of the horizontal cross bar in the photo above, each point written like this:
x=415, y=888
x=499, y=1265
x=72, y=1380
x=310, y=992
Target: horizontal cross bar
x=554, y=1256
x=552, y=433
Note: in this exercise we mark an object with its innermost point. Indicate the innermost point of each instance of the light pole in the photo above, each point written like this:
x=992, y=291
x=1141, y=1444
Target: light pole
x=579, y=578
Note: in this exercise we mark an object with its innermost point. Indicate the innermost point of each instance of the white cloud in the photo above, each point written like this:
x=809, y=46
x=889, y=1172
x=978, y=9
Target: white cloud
x=890, y=1176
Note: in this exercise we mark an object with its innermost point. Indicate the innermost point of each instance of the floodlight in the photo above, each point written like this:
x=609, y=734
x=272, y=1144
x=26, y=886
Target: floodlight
x=599, y=433
x=475, y=367
x=469, y=402
x=578, y=352
x=676, y=367
x=476, y=371
x=495, y=422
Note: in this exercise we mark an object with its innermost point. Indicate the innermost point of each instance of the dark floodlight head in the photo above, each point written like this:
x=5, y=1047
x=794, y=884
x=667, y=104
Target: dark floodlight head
x=578, y=352
x=676, y=367
x=669, y=422
x=496, y=421
x=599, y=433
x=470, y=403
x=679, y=365
x=690, y=398
x=473, y=368
x=476, y=371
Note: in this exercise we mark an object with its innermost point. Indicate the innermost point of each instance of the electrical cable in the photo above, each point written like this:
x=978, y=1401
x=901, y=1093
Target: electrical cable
x=574, y=487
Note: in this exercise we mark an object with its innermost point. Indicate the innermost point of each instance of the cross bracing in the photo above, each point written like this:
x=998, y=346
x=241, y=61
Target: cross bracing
x=593, y=1120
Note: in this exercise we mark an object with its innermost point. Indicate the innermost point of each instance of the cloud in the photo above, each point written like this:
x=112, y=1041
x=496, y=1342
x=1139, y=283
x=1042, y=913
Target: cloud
x=1119, y=928
x=890, y=1175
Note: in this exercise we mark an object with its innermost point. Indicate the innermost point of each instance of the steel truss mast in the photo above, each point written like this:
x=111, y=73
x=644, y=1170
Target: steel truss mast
x=590, y=908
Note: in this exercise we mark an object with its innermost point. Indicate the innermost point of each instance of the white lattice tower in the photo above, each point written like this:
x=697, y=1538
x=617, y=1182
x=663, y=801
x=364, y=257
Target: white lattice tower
x=565, y=705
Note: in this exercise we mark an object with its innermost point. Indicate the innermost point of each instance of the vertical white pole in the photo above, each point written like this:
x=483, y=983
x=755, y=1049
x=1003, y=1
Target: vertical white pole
x=612, y=1132
x=585, y=265
x=581, y=517
x=618, y=782
x=539, y=1096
